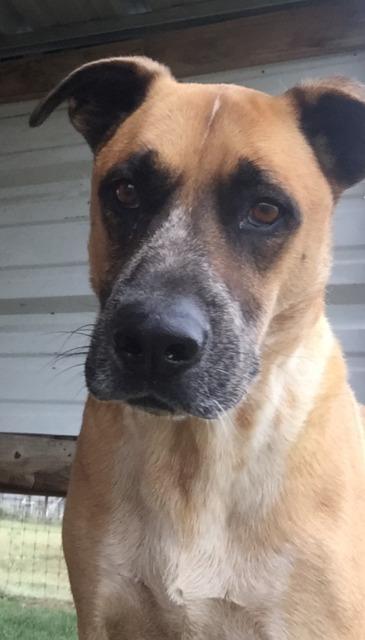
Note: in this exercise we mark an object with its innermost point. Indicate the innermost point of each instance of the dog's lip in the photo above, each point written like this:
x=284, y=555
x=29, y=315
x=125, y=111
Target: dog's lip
x=151, y=403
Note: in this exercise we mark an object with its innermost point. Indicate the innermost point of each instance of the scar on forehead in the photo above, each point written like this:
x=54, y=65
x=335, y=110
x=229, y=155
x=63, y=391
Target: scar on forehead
x=215, y=108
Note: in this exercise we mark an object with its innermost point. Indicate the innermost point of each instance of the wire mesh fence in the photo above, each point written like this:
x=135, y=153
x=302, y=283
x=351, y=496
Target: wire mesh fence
x=31, y=558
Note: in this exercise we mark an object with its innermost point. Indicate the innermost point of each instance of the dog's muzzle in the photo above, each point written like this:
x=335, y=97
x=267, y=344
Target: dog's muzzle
x=172, y=346
x=154, y=344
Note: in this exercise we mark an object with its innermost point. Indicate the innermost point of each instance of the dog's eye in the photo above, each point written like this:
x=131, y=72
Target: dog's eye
x=264, y=213
x=127, y=195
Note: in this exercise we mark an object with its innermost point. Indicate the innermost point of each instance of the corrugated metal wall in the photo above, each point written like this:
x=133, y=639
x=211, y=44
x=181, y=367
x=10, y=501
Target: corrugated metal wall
x=44, y=291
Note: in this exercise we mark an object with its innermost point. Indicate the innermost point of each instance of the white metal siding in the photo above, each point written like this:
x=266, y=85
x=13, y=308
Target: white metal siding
x=44, y=290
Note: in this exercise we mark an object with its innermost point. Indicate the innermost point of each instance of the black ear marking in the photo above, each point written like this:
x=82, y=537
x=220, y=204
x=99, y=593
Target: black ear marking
x=100, y=94
x=332, y=117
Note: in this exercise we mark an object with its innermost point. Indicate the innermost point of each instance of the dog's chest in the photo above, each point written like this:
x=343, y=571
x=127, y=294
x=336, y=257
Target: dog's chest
x=204, y=583
x=209, y=566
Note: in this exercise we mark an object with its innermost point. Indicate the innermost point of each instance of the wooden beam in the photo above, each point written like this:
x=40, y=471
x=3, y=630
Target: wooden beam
x=318, y=28
x=122, y=26
x=35, y=464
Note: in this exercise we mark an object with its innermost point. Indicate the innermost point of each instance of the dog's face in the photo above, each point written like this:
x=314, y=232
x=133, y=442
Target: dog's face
x=210, y=225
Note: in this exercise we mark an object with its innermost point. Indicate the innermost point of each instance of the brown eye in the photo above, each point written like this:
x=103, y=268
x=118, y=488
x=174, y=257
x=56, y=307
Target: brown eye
x=264, y=213
x=127, y=195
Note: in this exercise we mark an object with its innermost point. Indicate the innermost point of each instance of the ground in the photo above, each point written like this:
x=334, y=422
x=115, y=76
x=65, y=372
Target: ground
x=35, y=599
x=27, y=620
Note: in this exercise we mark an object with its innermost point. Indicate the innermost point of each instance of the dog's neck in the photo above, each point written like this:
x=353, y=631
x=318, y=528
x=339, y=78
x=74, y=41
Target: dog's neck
x=183, y=466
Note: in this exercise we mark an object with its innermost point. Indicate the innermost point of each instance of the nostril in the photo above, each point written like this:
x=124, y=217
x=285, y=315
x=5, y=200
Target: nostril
x=181, y=352
x=128, y=345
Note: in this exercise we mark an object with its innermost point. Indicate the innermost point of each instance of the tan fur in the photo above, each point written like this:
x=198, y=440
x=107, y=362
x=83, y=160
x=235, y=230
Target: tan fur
x=251, y=526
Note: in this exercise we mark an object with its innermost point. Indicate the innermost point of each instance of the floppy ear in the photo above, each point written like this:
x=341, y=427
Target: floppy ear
x=332, y=117
x=101, y=94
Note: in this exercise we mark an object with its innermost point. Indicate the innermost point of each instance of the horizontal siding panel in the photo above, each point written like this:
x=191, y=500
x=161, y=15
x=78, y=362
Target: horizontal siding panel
x=351, y=339
x=349, y=225
x=356, y=364
x=34, y=203
x=346, y=294
x=46, y=282
x=350, y=204
x=348, y=322
x=44, y=244
x=349, y=273
x=348, y=255
x=41, y=379
x=14, y=109
x=350, y=316
x=32, y=335
x=32, y=417
x=357, y=382
x=39, y=394
x=17, y=136
x=57, y=321
x=48, y=306
x=47, y=165
x=276, y=78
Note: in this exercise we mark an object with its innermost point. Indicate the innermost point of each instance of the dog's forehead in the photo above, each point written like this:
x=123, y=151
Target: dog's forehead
x=205, y=130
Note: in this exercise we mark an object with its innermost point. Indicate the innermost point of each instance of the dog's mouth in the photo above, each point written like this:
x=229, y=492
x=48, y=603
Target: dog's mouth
x=152, y=404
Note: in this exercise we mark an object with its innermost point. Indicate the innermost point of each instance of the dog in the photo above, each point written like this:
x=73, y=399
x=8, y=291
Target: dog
x=218, y=490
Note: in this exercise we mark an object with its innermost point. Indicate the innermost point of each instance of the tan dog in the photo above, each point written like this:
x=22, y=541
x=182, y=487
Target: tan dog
x=219, y=486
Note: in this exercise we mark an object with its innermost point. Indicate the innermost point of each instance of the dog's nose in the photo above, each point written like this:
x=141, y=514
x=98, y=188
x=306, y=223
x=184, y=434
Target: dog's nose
x=160, y=338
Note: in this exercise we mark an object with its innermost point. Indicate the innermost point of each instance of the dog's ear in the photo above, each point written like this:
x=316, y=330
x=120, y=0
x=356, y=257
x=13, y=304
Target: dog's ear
x=332, y=117
x=101, y=94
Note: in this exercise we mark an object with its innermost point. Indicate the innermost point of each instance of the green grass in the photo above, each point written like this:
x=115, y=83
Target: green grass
x=31, y=560
x=34, y=590
x=24, y=620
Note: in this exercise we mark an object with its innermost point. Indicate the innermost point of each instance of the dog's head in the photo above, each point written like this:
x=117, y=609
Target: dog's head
x=210, y=224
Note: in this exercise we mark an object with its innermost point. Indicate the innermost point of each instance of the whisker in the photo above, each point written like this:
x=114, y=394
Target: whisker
x=63, y=371
x=85, y=330
x=73, y=352
x=76, y=332
x=79, y=351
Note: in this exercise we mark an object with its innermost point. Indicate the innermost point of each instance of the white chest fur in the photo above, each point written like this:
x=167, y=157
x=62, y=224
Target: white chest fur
x=207, y=581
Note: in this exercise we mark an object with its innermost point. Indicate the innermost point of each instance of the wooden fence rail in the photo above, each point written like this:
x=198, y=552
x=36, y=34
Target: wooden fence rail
x=35, y=464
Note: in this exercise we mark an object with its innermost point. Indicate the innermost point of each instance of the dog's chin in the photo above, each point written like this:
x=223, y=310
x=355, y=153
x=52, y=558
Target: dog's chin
x=164, y=405
x=153, y=405
x=178, y=403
